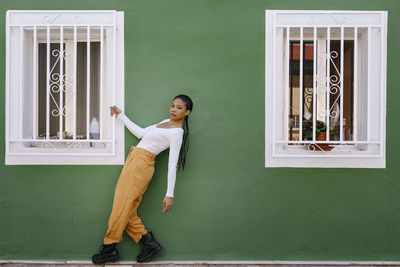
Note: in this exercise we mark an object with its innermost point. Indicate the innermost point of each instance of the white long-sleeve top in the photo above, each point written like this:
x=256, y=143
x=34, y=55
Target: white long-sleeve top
x=156, y=140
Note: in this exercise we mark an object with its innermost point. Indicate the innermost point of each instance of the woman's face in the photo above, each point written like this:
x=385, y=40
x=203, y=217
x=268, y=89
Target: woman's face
x=177, y=110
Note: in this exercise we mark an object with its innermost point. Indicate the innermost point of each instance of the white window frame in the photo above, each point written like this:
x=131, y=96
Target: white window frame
x=23, y=146
x=367, y=149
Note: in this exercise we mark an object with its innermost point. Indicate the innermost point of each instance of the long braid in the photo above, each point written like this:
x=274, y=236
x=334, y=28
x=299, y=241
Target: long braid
x=185, y=143
x=185, y=140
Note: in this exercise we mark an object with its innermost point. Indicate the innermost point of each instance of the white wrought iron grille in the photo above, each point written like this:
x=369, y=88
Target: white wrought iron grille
x=325, y=84
x=60, y=80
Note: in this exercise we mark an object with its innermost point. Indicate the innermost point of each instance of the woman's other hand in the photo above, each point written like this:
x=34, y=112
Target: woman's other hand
x=115, y=110
x=167, y=203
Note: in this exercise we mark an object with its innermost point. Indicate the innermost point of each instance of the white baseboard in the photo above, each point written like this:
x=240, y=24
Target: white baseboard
x=197, y=263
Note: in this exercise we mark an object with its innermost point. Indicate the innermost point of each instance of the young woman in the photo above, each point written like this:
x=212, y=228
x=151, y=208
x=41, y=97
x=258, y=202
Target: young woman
x=136, y=174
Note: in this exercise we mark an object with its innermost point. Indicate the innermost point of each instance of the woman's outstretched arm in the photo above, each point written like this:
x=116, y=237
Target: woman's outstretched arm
x=132, y=127
x=135, y=129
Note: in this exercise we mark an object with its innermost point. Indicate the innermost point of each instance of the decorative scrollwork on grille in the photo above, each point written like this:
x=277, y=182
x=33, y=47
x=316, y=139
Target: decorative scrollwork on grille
x=327, y=148
x=51, y=20
x=47, y=145
x=74, y=145
x=335, y=81
x=58, y=83
x=308, y=97
x=329, y=84
x=314, y=147
x=339, y=19
x=61, y=147
x=345, y=147
x=320, y=147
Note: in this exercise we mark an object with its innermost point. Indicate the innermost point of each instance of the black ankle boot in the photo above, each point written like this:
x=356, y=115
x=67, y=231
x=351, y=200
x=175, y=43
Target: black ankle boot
x=107, y=253
x=150, y=248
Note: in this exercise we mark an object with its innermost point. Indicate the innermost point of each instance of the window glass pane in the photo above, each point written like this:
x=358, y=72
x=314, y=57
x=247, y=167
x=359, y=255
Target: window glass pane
x=335, y=83
x=294, y=84
x=54, y=84
x=81, y=87
x=324, y=108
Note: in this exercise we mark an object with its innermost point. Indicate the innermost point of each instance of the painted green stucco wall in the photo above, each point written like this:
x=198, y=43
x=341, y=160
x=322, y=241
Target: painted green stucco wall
x=227, y=205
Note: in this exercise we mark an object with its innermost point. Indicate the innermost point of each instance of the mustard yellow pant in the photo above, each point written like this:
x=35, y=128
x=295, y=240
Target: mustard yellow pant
x=133, y=182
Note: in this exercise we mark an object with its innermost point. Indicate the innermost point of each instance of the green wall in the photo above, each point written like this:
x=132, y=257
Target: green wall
x=227, y=205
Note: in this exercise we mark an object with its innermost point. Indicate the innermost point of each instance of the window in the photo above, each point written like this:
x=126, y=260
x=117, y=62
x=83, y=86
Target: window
x=63, y=71
x=325, y=88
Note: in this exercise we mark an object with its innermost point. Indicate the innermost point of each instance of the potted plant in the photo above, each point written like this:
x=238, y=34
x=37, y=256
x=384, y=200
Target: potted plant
x=320, y=131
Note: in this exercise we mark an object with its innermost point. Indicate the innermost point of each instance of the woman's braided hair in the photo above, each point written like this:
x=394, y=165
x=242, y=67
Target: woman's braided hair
x=185, y=141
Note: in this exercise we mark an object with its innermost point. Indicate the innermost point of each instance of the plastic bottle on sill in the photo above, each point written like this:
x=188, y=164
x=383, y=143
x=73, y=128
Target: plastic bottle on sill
x=94, y=131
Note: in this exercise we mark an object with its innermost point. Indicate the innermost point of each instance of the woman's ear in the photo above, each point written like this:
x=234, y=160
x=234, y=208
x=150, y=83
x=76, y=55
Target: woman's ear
x=187, y=112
